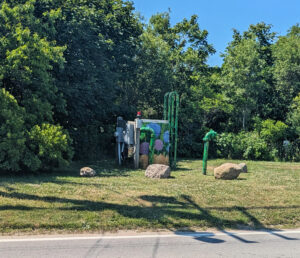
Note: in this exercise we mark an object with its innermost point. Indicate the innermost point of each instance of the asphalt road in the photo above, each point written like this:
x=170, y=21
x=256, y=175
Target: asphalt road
x=215, y=244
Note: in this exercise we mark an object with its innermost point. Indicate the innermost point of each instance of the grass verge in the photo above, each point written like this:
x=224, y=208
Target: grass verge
x=117, y=199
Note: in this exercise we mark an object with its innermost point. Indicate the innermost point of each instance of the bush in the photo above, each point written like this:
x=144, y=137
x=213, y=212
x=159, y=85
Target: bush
x=256, y=148
x=244, y=145
x=294, y=115
x=43, y=147
x=273, y=132
x=229, y=146
x=51, y=144
x=12, y=136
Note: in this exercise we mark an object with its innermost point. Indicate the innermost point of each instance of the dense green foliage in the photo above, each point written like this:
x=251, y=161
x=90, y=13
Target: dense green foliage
x=12, y=141
x=69, y=68
x=50, y=144
x=28, y=87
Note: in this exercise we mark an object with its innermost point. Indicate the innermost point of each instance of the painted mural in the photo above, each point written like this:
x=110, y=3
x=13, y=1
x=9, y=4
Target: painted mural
x=160, y=144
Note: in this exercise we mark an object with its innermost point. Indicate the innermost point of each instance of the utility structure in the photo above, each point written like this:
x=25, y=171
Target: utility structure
x=207, y=138
x=150, y=141
x=171, y=109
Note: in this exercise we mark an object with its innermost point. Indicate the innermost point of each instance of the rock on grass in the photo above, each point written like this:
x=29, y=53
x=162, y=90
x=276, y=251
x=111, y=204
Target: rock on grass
x=87, y=171
x=158, y=171
x=227, y=171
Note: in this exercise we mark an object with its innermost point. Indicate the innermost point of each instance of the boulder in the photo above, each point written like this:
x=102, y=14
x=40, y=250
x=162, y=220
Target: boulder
x=87, y=171
x=158, y=171
x=243, y=167
x=227, y=171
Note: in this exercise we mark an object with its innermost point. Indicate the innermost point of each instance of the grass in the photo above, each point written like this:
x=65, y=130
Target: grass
x=118, y=199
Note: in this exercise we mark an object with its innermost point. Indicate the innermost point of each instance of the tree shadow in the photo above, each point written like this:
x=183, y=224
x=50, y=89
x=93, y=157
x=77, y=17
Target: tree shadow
x=258, y=224
x=182, y=169
x=209, y=240
x=19, y=207
x=38, y=180
x=219, y=222
x=104, y=168
x=163, y=210
x=207, y=237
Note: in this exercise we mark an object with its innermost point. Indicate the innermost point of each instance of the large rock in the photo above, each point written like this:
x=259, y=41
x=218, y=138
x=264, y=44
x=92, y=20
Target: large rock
x=227, y=171
x=87, y=171
x=158, y=171
x=243, y=167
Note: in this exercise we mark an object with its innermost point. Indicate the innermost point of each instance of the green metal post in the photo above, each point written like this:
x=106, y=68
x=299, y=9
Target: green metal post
x=171, y=107
x=205, y=157
x=171, y=128
x=176, y=128
x=208, y=137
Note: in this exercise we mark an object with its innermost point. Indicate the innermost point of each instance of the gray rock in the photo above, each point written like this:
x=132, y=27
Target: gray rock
x=243, y=167
x=158, y=171
x=87, y=171
x=227, y=171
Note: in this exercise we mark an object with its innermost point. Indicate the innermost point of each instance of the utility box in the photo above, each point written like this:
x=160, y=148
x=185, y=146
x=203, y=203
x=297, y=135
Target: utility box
x=150, y=141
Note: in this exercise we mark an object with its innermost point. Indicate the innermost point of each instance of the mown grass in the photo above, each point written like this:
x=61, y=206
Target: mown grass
x=117, y=199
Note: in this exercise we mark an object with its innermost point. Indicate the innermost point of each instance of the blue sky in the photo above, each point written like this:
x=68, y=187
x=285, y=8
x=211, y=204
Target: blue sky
x=219, y=17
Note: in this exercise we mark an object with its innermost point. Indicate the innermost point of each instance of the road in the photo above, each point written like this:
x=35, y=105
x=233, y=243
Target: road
x=207, y=244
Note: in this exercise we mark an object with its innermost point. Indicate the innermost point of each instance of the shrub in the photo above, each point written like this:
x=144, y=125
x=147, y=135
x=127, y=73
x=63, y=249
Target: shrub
x=51, y=144
x=12, y=136
x=273, y=132
x=294, y=115
x=244, y=145
x=229, y=146
x=256, y=148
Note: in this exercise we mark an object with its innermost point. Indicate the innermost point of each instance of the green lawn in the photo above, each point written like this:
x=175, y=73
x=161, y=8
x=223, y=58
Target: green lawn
x=266, y=197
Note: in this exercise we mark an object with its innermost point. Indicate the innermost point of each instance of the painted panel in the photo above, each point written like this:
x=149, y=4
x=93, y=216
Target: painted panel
x=161, y=143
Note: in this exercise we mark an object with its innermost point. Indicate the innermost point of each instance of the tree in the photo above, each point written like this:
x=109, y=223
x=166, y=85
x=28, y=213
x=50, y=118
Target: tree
x=242, y=75
x=28, y=96
x=268, y=102
x=293, y=117
x=101, y=39
x=12, y=135
x=287, y=67
x=70, y=63
x=26, y=57
x=174, y=58
x=154, y=74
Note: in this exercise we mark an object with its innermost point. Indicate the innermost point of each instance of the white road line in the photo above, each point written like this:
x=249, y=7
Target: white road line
x=181, y=234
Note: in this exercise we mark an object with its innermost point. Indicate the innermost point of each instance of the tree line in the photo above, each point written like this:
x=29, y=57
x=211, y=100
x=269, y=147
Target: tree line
x=69, y=68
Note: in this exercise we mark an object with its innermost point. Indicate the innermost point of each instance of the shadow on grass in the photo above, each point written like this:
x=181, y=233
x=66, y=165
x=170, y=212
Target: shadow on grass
x=163, y=211
x=104, y=168
x=19, y=207
x=178, y=168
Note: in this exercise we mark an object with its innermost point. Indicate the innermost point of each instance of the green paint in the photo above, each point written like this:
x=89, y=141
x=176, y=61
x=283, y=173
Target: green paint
x=144, y=131
x=207, y=138
x=171, y=110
